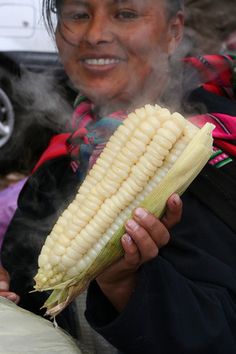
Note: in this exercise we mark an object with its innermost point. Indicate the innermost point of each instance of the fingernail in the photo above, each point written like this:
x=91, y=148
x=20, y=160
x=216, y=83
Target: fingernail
x=132, y=225
x=176, y=199
x=140, y=213
x=11, y=297
x=127, y=239
x=4, y=285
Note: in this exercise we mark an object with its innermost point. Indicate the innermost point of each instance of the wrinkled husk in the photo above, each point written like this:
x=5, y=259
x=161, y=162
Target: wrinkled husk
x=22, y=332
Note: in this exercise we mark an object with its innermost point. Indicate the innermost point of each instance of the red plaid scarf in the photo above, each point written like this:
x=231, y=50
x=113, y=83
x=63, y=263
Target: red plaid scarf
x=87, y=140
x=218, y=76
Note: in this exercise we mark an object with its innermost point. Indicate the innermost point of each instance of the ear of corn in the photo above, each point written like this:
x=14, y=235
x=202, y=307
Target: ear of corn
x=152, y=155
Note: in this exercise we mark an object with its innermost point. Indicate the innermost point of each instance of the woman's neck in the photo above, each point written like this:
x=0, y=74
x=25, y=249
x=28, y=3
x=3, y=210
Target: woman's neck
x=151, y=93
x=127, y=105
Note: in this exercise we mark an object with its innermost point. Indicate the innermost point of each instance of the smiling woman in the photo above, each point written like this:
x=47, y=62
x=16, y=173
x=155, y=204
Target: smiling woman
x=101, y=50
x=178, y=298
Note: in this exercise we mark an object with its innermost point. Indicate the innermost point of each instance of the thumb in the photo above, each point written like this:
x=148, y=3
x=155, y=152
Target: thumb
x=4, y=279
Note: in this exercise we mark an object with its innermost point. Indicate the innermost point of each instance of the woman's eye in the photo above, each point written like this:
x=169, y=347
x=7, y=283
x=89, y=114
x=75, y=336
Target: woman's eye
x=80, y=16
x=126, y=15
x=75, y=15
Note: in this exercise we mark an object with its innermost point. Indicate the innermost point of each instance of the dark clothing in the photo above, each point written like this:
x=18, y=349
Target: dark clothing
x=185, y=300
x=46, y=193
x=209, y=102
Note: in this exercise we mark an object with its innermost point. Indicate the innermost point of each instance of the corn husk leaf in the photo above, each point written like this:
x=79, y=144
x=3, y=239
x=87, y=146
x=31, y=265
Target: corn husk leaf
x=24, y=332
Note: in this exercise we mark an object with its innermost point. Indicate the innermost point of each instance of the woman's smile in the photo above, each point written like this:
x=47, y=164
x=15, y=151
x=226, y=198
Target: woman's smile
x=101, y=64
x=101, y=61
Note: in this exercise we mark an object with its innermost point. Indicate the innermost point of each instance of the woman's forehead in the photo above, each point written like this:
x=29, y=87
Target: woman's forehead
x=112, y=2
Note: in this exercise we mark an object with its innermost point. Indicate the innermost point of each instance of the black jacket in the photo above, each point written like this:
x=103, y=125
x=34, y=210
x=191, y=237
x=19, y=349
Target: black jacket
x=185, y=299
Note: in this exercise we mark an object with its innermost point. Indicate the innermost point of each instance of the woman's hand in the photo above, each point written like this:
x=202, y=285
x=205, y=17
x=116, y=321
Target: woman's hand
x=145, y=236
x=4, y=286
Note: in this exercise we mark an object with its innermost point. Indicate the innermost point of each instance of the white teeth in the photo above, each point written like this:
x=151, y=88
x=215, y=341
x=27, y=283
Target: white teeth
x=101, y=61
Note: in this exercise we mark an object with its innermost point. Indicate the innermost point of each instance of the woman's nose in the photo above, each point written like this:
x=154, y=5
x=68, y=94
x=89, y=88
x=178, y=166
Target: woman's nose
x=99, y=31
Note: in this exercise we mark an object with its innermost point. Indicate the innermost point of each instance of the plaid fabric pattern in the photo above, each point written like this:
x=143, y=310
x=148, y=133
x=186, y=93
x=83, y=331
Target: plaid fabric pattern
x=90, y=134
x=218, y=75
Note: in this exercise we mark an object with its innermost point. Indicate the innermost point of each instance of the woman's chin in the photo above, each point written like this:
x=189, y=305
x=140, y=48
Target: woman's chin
x=102, y=96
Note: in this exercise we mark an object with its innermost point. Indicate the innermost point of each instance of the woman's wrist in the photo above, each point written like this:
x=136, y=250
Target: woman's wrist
x=118, y=293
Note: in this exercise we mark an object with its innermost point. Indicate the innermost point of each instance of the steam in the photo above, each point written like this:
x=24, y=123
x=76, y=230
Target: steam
x=42, y=109
x=43, y=100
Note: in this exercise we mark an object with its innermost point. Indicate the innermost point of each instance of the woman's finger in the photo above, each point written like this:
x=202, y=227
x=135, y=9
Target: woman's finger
x=132, y=255
x=154, y=227
x=126, y=264
x=147, y=247
x=4, y=287
x=4, y=279
x=10, y=296
x=173, y=212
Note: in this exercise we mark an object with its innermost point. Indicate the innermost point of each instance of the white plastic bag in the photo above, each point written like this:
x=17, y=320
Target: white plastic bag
x=22, y=332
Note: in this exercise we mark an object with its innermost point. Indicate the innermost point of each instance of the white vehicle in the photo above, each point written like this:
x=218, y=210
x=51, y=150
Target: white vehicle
x=22, y=27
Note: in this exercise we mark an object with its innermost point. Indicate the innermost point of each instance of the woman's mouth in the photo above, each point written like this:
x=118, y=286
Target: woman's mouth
x=101, y=61
x=100, y=65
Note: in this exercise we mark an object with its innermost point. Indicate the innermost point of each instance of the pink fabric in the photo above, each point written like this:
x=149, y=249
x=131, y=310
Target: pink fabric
x=224, y=133
x=8, y=205
x=225, y=127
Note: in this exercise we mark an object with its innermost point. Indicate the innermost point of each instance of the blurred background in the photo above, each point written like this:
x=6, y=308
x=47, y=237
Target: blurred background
x=209, y=24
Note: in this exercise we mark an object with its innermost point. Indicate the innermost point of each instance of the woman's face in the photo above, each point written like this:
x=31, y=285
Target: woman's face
x=116, y=51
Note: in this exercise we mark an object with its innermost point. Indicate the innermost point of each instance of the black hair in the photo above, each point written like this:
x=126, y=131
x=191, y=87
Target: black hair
x=53, y=6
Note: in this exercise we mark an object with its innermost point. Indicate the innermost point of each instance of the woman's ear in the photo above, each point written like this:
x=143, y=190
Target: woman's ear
x=176, y=31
